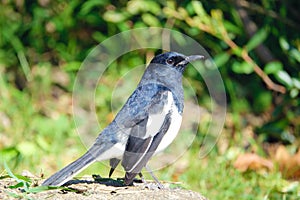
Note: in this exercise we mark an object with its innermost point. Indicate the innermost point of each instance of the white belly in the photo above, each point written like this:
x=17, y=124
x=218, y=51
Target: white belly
x=116, y=151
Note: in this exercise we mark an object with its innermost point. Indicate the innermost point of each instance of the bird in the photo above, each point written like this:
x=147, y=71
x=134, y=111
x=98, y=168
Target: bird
x=146, y=124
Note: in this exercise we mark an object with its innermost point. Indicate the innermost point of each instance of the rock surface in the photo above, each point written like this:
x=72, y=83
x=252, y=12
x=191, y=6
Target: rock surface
x=108, y=189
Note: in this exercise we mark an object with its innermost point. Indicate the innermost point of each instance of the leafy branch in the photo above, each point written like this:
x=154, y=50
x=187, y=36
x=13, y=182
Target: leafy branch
x=214, y=25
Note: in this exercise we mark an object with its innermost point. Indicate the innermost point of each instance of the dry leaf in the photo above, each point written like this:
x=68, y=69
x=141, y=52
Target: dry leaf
x=289, y=165
x=282, y=157
x=251, y=161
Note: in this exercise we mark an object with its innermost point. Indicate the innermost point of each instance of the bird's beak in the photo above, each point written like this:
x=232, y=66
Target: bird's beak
x=189, y=59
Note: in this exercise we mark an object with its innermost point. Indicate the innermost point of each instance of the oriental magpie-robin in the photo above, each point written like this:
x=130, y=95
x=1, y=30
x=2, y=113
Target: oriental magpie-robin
x=147, y=123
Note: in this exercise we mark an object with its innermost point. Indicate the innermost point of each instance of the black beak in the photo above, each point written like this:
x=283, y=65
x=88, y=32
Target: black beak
x=189, y=59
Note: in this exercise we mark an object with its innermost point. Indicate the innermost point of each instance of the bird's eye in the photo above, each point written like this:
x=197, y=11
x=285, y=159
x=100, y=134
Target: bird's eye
x=170, y=61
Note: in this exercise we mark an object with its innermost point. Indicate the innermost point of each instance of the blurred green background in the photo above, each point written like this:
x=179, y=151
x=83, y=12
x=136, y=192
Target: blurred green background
x=255, y=45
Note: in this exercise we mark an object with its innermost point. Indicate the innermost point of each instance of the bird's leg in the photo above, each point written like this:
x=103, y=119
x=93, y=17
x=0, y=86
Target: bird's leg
x=159, y=185
x=142, y=177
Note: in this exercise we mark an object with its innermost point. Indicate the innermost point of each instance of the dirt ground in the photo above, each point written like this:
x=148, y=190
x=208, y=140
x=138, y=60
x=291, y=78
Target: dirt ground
x=108, y=189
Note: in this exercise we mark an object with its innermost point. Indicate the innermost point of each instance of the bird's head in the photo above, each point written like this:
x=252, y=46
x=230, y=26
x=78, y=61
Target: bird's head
x=175, y=60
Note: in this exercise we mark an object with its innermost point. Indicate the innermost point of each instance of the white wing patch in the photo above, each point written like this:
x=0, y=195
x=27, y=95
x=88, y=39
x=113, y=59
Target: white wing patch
x=172, y=132
x=155, y=121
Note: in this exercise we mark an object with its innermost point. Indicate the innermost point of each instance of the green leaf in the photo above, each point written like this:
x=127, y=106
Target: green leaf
x=150, y=20
x=23, y=178
x=9, y=172
x=98, y=36
x=237, y=51
x=18, y=185
x=284, y=78
x=221, y=59
x=232, y=28
x=72, y=66
x=11, y=153
x=43, y=188
x=294, y=92
x=134, y=7
x=257, y=39
x=115, y=17
x=24, y=65
x=4, y=177
x=296, y=83
x=295, y=54
x=262, y=101
x=21, y=183
x=273, y=67
x=198, y=7
x=242, y=68
x=284, y=44
x=89, y=5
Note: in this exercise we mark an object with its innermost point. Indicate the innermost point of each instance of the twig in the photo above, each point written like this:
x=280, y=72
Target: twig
x=244, y=55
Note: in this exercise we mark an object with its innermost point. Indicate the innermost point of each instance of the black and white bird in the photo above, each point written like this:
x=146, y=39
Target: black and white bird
x=147, y=123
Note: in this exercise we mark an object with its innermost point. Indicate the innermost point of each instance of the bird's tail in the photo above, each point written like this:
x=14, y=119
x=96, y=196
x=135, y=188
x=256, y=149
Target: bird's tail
x=65, y=174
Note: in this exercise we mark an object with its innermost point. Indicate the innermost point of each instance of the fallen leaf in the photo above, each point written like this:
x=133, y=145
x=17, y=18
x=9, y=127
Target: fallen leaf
x=289, y=164
x=282, y=157
x=251, y=161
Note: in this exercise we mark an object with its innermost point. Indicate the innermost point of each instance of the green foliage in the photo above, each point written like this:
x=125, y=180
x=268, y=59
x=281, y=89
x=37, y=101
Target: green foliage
x=25, y=183
x=257, y=39
x=242, y=68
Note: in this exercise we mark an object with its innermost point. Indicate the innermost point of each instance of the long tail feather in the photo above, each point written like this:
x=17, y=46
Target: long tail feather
x=68, y=172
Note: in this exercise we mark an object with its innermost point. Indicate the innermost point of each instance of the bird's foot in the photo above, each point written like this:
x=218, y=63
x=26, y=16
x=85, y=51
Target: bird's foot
x=153, y=186
x=158, y=184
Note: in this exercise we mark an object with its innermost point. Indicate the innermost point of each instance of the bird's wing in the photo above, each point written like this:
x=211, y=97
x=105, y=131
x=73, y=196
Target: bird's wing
x=148, y=126
x=139, y=151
